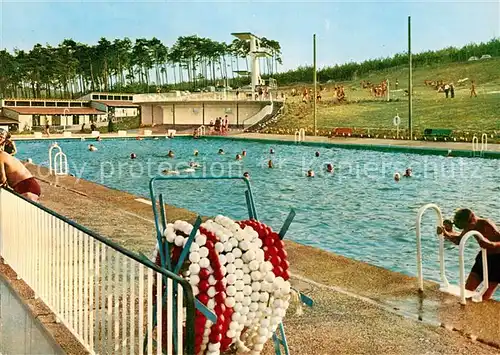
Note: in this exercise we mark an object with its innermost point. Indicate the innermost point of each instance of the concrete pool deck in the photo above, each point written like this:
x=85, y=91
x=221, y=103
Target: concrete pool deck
x=371, y=141
x=290, y=138
x=359, y=308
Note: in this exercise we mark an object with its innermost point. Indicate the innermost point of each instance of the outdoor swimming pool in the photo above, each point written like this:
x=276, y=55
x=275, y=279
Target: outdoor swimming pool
x=358, y=211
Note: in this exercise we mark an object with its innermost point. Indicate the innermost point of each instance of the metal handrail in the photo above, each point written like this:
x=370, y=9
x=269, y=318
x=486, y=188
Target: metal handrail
x=420, y=275
x=62, y=168
x=478, y=297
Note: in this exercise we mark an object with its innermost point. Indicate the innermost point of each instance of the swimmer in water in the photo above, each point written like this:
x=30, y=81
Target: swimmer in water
x=189, y=170
x=244, y=153
x=133, y=156
x=170, y=154
x=317, y=154
x=310, y=173
x=246, y=174
x=98, y=139
x=397, y=177
x=270, y=164
x=407, y=173
x=466, y=220
x=196, y=152
x=221, y=151
x=193, y=164
x=329, y=168
x=271, y=151
x=92, y=148
x=238, y=157
x=449, y=153
x=170, y=172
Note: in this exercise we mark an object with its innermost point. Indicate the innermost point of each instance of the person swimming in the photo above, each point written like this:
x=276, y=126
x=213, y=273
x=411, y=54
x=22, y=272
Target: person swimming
x=244, y=153
x=246, y=174
x=221, y=151
x=170, y=172
x=270, y=164
x=92, y=148
x=133, y=156
x=271, y=151
x=193, y=164
x=98, y=139
x=407, y=173
x=171, y=154
x=397, y=177
x=316, y=154
x=196, y=152
x=238, y=157
x=310, y=173
x=189, y=170
x=329, y=168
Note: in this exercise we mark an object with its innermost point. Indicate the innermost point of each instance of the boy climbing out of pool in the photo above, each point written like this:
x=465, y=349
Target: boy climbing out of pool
x=13, y=173
x=466, y=220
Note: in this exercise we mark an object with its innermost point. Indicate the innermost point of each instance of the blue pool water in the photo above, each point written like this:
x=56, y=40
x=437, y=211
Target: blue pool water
x=359, y=211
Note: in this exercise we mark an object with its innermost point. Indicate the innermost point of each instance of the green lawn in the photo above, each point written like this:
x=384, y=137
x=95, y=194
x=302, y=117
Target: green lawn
x=430, y=109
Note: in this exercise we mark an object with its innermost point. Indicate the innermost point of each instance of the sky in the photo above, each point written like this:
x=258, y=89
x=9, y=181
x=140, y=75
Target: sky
x=346, y=30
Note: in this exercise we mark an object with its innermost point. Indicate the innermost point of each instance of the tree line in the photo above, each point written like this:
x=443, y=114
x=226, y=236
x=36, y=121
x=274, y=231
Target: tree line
x=350, y=71
x=72, y=69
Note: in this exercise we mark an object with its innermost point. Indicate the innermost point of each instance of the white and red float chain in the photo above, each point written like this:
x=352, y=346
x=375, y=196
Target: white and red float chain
x=240, y=271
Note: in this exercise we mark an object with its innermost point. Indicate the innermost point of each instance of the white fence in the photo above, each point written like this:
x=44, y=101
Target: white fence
x=104, y=294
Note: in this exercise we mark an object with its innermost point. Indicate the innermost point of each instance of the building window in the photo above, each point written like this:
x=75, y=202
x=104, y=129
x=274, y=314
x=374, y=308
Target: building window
x=23, y=103
x=62, y=104
x=103, y=97
x=37, y=103
x=50, y=104
x=75, y=104
x=35, y=121
x=116, y=97
x=56, y=120
x=95, y=97
x=10, y=103
x=77, y=119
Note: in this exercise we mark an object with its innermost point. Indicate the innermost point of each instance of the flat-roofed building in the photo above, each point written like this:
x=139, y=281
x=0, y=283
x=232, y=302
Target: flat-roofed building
x=36, y=113
x=118, y=104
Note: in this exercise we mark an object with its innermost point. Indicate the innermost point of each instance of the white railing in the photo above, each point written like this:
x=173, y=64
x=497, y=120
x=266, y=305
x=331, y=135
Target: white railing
x=476, y=150
x=484, y=143
x=300, y=135
x=202, y=131
x=445, y=285
x=105, y=295
x=58, y=162
x=477, y=296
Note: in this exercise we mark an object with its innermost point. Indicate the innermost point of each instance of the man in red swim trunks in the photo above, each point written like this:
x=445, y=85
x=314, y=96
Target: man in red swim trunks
x=14, y=174
x=466, y=220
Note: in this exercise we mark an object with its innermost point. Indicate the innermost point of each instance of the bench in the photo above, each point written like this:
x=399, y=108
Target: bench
x=339, y=131
x=438, y=132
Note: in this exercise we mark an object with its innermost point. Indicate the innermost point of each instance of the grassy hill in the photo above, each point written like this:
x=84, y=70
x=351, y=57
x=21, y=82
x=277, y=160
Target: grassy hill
x=431, y=109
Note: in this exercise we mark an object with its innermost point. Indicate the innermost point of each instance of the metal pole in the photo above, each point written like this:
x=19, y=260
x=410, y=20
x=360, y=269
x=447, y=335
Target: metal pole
x=410, y=81
x=314, y=82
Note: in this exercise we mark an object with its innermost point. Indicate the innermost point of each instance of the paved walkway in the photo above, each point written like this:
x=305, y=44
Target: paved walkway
x=359, y=308
x=372, y=141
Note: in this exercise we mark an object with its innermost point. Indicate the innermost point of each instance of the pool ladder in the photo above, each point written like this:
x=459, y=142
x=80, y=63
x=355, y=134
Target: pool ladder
x=202, y=130
x=456, y=290
x=476, y=152
x=58, y=162
x=300, y=135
